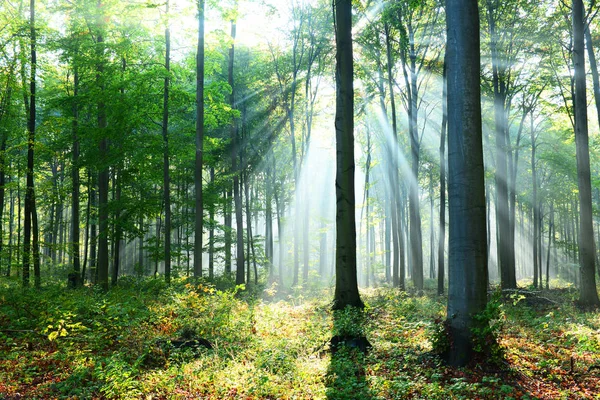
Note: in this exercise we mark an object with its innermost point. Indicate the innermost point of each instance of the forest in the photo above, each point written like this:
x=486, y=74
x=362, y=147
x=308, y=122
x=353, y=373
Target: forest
x=299, y=199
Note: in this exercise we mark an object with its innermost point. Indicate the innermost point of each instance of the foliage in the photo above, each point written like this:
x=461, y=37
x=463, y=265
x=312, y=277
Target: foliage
x=118, y=345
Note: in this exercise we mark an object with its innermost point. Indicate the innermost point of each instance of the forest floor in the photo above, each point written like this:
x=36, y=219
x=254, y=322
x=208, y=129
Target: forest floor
x=143, y=340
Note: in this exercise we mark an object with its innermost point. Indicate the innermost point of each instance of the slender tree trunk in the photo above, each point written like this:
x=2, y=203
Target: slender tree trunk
x=269, y=220
x=394, y=159
x=593, y=68
x=11, y=215
x=431, y=230
x=228, y=227
x=442, y=234
x=94, y=233
x=468, y=273
x=550, y=234
x=199, y=209
x=534, y=202
x=165, y=134
x=36, y=247
x=118, y=234
x=29, y=193
x=346, y=285
x=416, y=240
x=506, y=265
x=75, y=178
x=211, y=232
x=2, y=194
x=103, y=174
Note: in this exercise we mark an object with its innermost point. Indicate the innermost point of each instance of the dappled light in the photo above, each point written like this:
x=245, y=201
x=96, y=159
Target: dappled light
x=299, y=199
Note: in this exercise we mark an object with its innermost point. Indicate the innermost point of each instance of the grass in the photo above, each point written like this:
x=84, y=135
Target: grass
x=266, y=344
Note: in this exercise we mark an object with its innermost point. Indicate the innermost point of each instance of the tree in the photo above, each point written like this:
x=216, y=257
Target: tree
x=30, y=247
x=199, y=144
x=346, y=285
x=467, y=263
x=587, y=254
x=165, y=134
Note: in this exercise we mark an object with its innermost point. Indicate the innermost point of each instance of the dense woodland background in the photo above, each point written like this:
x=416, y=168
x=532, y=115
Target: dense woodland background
x=174, y=150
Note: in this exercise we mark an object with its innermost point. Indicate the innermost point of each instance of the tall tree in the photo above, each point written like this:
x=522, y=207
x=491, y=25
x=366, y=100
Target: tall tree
x=103, y=173
x=237, y=197
x=75, y=178
x=346, y=285
x=165, y=134
x=467, y=263
x=199, y=143
x=587, y=253
x=442, y=230
x=29, y=193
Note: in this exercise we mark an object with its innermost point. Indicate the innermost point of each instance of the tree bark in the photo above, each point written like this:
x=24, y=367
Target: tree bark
x=593, y=68
x=587, y=253
x=442, y=234
x=468, y=273
x=165, y=134
x=505, y=247
x=31, y=111
x=346, y=285
x=199, y=209
x=394, y=154
x=103, y=174
x=237, y=198
x=75, y=178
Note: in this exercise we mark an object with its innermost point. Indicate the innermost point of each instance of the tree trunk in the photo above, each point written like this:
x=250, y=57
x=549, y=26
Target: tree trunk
x=550, y=234
x=594, y=69
x=468, y=273
x=442, y=234
x=394, y=159
x=534, y=202
x=211, y=232
x=237, y=198
x=199, y=209
x=346, y=285
x=118, y=234
x=103, y=177
x=165, y=134
x=587, y=252
x=416, y=240
x=31, y=111
x=75, y=179
x=269, y=220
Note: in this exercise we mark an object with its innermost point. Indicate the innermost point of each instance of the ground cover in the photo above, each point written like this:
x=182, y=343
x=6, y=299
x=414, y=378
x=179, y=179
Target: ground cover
x=144, y=340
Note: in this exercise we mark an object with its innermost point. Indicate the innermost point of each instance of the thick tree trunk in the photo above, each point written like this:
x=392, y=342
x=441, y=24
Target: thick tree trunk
x=468, y=273
x=346, y=285
x=587, y=252
x=199, y=209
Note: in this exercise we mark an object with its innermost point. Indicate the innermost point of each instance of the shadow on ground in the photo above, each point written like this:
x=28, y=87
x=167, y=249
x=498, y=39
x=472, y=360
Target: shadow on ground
x=346, y=374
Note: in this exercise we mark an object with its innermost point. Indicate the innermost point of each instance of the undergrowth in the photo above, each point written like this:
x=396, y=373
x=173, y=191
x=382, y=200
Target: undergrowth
x=141, y=340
